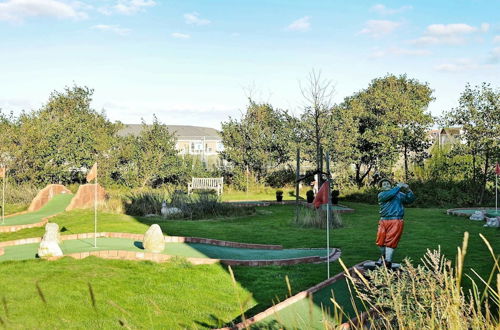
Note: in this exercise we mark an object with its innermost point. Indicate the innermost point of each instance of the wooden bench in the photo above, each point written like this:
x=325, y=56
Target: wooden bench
x=216, y=184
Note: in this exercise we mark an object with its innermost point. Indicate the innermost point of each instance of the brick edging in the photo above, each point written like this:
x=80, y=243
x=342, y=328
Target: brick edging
x=131, y=255
x=13, y=228
x=287, y=302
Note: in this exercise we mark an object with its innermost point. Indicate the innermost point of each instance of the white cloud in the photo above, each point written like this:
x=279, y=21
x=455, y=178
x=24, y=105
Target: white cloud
x=494, y=55
x=194, y=18
x=179, y=35
x=302, y=24
x=460, y=65
x=450, y=34
x=132, y=6
x=496, y=39
x=383, y=10
x=112, y=28
x=485, y=27
x=377, y=28
x=395, y=51
x=18, y=10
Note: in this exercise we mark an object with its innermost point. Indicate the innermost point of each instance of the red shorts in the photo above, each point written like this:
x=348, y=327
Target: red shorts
x=389, y=232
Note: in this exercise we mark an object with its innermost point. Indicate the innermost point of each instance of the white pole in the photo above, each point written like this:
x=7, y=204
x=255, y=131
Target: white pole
x=496, y=193
x=3, y=197
x=95, y=208
x=328, y=236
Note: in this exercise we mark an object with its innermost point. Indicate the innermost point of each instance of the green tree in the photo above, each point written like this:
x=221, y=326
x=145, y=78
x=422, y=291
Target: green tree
x=149, y=159
x=64, y=137
x=259, y=141
x=391, y=119
x=478, y=114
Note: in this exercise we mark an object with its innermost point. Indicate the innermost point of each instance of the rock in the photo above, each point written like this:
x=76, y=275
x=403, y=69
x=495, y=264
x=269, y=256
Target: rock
x=477, y=216
x=151, y=215
x=170, y=211
x=492, y=222
x=154, y=240
x=49, y=246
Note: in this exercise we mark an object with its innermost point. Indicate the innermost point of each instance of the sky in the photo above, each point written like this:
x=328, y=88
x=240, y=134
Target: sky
x=197, y=62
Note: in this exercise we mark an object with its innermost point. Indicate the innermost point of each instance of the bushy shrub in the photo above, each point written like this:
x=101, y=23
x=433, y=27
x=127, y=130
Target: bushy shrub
x=19, y=193
x=281, y=178
x=205, y=205
x=145, y=202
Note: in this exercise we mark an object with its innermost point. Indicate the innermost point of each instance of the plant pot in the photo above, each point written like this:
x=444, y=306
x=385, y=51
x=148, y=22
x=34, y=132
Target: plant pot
x=279, y=198
x=310, y=196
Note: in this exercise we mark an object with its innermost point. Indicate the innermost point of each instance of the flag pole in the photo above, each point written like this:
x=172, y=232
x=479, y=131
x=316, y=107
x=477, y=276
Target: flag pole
x=496, y=193
x=3, y=196
x=328, y=217
x=95, y=208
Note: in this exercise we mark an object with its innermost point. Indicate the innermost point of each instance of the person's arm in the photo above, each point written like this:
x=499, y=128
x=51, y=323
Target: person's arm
x=409, y=197
x=384, y=196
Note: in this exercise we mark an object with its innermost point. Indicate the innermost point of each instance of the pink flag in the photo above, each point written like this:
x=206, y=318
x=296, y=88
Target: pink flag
x=497, y=169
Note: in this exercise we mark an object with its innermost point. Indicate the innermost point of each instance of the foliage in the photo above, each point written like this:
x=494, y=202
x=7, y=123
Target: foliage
x=259, y=141
x=390, y=118
x=55, y=143
x=428, y=295
x=149, y=159
x=478, y=114
x=145, y=202
x=281, y=177
x=316, y=218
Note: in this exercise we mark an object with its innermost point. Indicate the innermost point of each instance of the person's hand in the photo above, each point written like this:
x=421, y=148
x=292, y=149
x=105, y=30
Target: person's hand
x=400, y=185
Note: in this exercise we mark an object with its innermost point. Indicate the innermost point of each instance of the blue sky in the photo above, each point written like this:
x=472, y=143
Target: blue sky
x=193, y=62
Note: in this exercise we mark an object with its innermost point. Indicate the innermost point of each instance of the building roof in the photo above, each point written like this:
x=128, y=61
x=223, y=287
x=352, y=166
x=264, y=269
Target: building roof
x=451, y=130
x=182, y=132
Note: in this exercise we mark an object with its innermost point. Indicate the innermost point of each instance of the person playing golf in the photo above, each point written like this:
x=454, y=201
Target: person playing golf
x=391, y=222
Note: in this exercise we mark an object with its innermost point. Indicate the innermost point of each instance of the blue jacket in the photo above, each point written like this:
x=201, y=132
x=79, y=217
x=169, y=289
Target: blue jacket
x=391, y=203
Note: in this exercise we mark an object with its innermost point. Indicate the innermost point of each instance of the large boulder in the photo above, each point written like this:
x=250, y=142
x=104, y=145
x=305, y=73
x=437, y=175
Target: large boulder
x=49, y=246
x=154, y=240
x=46, y=195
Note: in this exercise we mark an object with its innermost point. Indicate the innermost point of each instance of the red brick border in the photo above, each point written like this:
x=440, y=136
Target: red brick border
x=159, y=257
x=282, y=305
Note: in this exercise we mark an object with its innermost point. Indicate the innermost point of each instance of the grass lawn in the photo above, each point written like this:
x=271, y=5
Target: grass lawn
x=424, y=229
x=14, y=208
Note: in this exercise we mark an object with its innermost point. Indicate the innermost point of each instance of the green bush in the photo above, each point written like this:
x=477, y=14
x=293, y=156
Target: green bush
x=281, y=178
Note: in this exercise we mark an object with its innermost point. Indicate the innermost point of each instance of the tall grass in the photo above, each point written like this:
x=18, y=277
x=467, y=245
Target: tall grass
x=311, y=218
x=429, y=296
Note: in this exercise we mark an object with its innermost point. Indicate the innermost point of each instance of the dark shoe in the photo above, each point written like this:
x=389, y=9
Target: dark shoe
x=388, y=264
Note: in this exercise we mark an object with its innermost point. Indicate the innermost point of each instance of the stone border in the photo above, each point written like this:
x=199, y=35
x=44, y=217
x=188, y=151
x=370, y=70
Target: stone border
x=159, y=257
x=290, y=301
x=287, y=202
x=456, y=211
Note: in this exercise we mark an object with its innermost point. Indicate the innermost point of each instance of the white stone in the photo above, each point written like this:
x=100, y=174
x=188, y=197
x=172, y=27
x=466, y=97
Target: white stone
x=154, y=241
x=49, y=246
x=492, y=222
x=170, y=211
x=477, y=216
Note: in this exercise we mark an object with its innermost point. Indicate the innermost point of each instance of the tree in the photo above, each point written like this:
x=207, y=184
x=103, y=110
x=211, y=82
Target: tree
x=318, y=94
x=260, y=140
x=391, y=119
x=149, y=159
x=478, y=114
x=65, y=136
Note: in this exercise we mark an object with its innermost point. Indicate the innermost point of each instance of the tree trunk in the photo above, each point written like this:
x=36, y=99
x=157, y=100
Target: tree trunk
x=485, y=179
x=406, y=163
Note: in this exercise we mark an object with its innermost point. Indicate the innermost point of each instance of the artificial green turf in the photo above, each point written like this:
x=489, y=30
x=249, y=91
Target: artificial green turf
x=310, y=314
x=192, y=250
x=56, y=205
x=424, y=229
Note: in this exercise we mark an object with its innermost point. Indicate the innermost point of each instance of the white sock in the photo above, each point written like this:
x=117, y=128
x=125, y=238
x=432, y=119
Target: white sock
x=388, y=254
x=382, y=253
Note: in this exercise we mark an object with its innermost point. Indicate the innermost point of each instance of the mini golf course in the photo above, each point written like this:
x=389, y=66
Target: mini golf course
x=309, y=309
x=467, y=212
x=57, y=204
x=188, y=250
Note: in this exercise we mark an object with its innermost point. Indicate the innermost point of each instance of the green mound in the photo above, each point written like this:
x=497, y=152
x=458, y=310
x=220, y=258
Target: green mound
x=28, y=251
x=57, y=204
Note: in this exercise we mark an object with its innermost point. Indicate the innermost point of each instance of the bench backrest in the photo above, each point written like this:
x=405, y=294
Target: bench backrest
x=207, y=182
